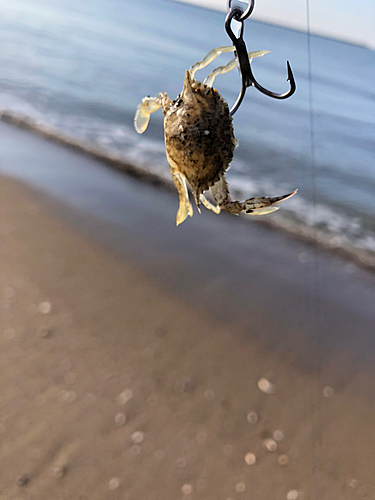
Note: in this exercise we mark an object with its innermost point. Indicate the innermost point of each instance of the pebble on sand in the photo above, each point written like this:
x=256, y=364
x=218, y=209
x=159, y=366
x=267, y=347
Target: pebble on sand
x=352, y=483
x=45, y=307
x=270, y=444
x=120, y=418
x=187, y=489
x=328, y=392
x=266, y=386
x=282, y=459
x=252, y=417
x=71, y=396
x=124, y=396
x=137, y=437
x=250, y=459
x=114, y=483
x=240, y=487
x=202, y=484
x=292, y=495
x=58, y=471
x=135, y=449
x=278, y=435
x=43, y=331
x=209, y=395
x=181, y=462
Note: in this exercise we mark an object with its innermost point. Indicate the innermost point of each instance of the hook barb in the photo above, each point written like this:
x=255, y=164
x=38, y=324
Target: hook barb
x=290, y=79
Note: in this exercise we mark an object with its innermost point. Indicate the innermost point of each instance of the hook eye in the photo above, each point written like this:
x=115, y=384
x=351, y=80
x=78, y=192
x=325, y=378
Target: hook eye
x=245, y=13
x=235, y=14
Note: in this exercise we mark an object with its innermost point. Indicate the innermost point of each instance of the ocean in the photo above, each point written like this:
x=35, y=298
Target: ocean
x=80, y=69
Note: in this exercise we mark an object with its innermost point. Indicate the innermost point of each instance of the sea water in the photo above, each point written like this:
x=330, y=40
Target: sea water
x=82, y=68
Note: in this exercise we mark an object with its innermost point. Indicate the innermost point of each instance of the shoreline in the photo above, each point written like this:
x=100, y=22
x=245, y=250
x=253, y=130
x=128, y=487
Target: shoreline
x=310, y=236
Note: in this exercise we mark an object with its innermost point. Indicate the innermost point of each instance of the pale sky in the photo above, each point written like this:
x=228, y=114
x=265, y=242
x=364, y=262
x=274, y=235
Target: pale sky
x=352, y=20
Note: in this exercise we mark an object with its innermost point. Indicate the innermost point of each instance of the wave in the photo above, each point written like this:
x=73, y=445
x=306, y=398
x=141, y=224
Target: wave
x=109, y=157
x=316, y=223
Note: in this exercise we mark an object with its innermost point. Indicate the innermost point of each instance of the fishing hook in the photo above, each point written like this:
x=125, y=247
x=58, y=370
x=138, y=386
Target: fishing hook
x=247, y=77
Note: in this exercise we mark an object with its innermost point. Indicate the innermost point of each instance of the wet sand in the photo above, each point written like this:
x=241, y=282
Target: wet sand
x=131, y=350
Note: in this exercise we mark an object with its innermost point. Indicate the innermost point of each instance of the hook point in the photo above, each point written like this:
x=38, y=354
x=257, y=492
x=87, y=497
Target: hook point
x=290, y=72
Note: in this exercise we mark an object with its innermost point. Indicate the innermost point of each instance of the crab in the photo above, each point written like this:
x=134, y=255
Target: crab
x=200, y=141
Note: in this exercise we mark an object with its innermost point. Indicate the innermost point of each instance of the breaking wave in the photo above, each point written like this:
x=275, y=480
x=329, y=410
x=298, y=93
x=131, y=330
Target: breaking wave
x=313, y=222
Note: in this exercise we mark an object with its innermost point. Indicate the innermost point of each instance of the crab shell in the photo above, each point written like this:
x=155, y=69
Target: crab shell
x=199, y=135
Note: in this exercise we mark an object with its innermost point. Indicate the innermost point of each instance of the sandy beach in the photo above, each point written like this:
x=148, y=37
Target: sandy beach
x=132, y=352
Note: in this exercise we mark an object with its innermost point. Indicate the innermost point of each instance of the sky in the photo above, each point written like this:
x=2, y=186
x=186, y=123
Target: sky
x=353, y=21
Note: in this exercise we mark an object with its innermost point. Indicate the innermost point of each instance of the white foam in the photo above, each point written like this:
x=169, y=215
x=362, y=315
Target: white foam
x=121, y=145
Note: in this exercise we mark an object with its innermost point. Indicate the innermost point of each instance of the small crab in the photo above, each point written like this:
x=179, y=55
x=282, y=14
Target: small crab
x=200, y=141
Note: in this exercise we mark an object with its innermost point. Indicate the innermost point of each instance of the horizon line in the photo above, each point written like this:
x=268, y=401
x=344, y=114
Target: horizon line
x=293, y=27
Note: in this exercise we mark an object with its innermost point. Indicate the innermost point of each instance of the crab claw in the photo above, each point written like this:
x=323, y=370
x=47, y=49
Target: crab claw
x=141, y=119
x=142, y=116
x=265, y=205
x=279, y=199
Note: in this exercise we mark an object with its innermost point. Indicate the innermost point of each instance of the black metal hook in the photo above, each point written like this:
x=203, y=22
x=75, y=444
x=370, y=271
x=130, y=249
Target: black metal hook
x=246, y=73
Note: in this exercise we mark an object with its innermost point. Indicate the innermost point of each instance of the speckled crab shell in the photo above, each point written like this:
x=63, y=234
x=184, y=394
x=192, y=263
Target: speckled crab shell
x=199, y=135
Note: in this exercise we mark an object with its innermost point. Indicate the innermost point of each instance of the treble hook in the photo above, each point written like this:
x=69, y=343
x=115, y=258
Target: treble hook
x=246, y=73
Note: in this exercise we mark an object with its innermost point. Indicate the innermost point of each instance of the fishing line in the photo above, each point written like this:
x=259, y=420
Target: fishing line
x=313, y=302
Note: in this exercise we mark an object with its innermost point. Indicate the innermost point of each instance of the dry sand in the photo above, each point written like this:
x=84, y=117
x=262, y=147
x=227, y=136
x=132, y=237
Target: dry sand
x=121, y=381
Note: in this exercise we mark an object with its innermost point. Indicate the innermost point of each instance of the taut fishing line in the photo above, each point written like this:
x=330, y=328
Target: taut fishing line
x=312, y=297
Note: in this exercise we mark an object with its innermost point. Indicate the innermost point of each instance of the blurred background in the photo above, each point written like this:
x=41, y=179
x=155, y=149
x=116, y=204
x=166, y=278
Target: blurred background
x=82, y=69
x=220, y=360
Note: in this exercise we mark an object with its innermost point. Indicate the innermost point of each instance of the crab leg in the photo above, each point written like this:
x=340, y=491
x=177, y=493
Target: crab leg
x=233, y=63
x=179, y=180
x=253, y=206
x=213, y=54
x=209, y=205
